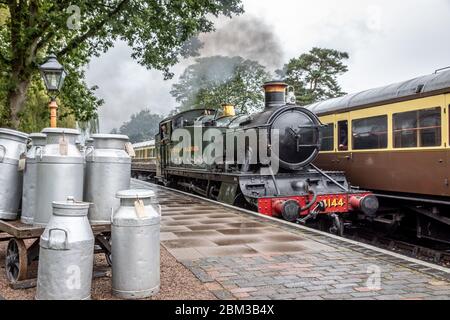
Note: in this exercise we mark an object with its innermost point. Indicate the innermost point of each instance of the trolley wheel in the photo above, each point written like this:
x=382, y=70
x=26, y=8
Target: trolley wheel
x=16, y=262
x=108, y=257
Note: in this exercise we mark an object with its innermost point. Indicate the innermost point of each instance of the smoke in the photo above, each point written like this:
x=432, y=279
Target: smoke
x=246, y=36
x=128, y=88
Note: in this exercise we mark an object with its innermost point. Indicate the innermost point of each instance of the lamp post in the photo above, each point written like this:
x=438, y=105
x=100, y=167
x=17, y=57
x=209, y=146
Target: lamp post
x=53, y=74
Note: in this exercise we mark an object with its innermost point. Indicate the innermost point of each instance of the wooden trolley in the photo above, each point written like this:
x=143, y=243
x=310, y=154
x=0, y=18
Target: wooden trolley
x=18, y=257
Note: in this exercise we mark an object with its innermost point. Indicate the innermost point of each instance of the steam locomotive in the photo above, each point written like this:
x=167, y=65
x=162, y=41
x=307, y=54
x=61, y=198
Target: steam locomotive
x=257, y=169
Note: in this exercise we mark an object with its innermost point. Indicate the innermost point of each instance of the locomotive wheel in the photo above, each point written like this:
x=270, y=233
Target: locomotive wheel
x=16, y=262
x=338, y=225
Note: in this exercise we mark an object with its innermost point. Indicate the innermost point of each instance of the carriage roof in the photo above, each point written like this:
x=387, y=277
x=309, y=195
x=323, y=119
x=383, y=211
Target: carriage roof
x=145, y=144
x=421, y=86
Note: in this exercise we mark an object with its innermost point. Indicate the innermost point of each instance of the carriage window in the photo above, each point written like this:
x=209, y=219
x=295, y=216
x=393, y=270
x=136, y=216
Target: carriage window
x=370, y=133
x=327, y=137
x=420, y=128
x=343, y=135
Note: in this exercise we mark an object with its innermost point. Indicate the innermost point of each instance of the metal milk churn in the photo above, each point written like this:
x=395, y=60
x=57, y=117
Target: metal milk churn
x=38, y=141
x=12, y=145
x=89, y=142
x=88, y=145
x=66, y=256
x=108, y=170
x=60, y=172
x=135, y=234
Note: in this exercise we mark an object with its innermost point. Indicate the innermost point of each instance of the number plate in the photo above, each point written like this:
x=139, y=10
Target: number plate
x=337, y=202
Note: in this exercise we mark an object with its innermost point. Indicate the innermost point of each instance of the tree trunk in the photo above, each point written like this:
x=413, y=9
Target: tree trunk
x=16, y=101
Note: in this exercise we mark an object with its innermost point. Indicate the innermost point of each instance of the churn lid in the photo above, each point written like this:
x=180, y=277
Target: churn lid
x=61, y=131
x=38, y=136
x=38, y=139
x=110, y=141
x=135, y=194
x=70, y=208
x=14, y=133
x=110, y=136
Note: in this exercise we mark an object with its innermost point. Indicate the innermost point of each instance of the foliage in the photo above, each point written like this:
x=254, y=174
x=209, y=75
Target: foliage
x=212, y=81
x=142, y=126
x=159, y=32
x=36, y=115
x=314, y=75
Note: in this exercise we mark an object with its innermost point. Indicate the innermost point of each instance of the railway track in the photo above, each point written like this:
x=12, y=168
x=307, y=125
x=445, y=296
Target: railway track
x=404, y=247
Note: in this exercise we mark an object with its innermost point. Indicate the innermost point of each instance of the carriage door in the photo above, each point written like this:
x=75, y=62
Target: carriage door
x=343, y=155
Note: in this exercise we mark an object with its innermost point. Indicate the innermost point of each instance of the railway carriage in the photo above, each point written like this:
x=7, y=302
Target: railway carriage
x=145, y=159
x=395, y=140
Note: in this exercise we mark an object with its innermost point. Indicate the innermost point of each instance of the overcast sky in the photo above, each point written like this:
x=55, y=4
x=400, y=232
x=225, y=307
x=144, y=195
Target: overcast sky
x=388, y=41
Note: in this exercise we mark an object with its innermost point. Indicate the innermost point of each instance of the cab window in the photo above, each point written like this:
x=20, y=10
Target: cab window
x=421, y=128
x=370, y=133
x=343, y=135
x=327, y=137
x=165, y=130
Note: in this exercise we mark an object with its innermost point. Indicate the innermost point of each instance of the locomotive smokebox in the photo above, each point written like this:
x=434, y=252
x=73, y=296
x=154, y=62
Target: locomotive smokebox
x=275, y=93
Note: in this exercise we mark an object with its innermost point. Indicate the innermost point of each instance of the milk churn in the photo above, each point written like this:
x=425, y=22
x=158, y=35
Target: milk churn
x=135, y=245
x=108, y=170
x=88, y=147
x=60, y=172
x=66, y=256
x=38, y=141
x=12, y=145
x=89, y=142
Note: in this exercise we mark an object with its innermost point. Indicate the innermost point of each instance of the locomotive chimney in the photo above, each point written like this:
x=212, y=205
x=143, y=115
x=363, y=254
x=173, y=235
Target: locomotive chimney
x=275, y=93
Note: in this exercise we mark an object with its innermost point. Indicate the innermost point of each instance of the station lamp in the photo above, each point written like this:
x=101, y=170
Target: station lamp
x=53, y=74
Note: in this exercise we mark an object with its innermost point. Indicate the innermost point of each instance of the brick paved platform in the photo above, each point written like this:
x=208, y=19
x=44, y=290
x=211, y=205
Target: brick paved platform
x=241, y=255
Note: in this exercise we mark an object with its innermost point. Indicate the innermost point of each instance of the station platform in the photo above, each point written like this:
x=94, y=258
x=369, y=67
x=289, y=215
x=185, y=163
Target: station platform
x=238, y=254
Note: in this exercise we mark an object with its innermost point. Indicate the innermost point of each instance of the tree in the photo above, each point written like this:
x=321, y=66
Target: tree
x=158, y=31
x=314, y=75
x=212, y=81
x=34, y=115
x=142, y=126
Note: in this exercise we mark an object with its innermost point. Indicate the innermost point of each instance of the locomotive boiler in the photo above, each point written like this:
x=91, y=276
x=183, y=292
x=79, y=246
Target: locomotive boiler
x=261, y=162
